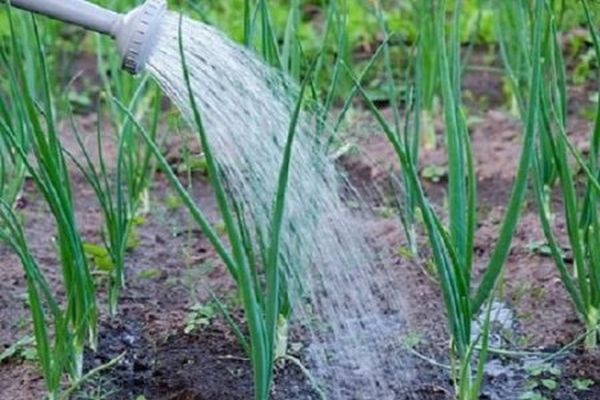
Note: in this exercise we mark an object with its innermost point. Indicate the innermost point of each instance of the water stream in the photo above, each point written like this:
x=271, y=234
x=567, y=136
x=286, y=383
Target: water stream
x=352, y=317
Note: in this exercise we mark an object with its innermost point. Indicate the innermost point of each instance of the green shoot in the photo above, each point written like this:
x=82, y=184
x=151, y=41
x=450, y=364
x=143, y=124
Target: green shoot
x=427, y=77
x=13, y=114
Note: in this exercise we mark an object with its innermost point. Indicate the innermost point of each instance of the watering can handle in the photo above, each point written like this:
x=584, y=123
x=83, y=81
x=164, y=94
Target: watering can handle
x=77, y=12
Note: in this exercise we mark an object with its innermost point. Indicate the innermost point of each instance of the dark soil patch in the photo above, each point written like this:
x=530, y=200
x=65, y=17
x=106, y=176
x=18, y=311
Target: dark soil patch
x=207, y=364
x=581, y=367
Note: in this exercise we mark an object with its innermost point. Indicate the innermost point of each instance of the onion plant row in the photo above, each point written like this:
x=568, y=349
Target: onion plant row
x=552, y=161
x=452, y=245
x=579, y=196
x=36, y=134
x=63, y=325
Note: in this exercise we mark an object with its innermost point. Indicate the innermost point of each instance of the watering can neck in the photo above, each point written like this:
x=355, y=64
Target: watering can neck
x=77, y=12
x=135, y=32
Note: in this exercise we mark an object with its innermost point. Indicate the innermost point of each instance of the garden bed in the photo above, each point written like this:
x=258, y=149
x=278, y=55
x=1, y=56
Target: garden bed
x=171, y=265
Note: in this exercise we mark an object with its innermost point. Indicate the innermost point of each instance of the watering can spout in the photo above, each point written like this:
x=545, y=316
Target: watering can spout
x=136, y=32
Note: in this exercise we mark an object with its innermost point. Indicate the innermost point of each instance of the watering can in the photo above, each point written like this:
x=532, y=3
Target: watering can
x=135, y=32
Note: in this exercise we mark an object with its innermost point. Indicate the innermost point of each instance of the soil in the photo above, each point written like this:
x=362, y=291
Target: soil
x=172, y=267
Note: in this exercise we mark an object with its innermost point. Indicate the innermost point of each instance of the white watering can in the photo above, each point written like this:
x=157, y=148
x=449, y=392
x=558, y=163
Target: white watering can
x=135, y=32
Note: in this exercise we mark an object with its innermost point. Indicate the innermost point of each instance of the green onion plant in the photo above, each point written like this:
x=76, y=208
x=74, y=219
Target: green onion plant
x=427, y=78
x=133, y=153
x=408, y=130
x=119, y=193
x=55, y=349
x=514, y=27
x=20, y=49
x=580, y=201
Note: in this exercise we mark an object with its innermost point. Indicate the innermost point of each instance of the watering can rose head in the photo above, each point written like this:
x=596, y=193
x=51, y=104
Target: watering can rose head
x=136, y=32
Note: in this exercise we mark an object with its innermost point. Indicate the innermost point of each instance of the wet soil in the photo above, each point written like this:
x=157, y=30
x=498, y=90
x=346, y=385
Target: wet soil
x=204, y=365
x=173, y=266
